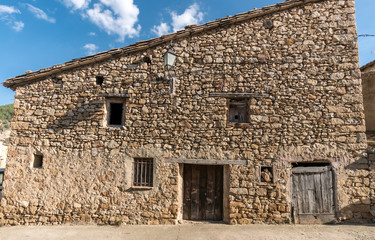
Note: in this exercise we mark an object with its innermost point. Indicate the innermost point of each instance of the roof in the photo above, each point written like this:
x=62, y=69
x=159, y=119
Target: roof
x=143, y=45
x=370, y=64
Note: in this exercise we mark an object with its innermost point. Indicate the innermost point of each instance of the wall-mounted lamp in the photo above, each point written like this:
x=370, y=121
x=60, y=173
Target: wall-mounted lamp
x=169, y=58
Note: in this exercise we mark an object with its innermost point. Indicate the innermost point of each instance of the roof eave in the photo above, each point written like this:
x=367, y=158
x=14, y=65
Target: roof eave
x=13, y=83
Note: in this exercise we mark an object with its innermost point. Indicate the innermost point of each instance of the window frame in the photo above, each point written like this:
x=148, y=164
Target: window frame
x=38, y=160
x=270, y=169
x=108, y=110
x=238, y=101
x=150, y=182
x=99, y=80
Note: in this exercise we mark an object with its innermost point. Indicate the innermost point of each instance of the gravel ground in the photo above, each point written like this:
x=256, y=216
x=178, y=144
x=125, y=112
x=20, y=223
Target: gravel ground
x=190, y=231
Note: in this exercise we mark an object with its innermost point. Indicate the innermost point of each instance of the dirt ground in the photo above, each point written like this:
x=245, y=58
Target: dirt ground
x=190, y=231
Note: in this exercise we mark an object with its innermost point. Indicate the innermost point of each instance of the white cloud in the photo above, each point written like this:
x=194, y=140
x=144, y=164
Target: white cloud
x=90, y=48
x=6, y=16
x=92, y=34
x=192, y=15
x=161, y=29
x=77, y=4
x=4, y=9
x=18, y=26
x=116, y=17
x=39, y=13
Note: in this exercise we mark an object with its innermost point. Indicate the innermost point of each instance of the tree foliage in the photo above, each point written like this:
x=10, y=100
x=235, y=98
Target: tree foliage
x=6, y=114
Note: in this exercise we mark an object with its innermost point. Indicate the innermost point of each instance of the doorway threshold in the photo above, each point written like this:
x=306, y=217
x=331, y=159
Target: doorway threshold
x=196, y=222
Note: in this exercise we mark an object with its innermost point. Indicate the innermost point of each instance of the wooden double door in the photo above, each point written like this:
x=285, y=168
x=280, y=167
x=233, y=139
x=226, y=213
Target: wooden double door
x=313, y=194
x=203, y=192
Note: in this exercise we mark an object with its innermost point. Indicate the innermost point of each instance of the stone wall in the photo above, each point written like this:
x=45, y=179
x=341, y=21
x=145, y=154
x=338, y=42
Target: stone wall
x=371, y=177
x=4, y=139
x=368, y=82
x=307, y=106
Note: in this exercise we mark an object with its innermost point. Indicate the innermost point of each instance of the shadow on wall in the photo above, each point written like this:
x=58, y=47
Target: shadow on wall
x=359, y=211
x=362, y=209
x=91, y=112
x=76, y=126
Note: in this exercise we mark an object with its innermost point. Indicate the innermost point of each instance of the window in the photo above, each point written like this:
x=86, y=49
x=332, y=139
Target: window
x=266, y=174
x=99, y=80
x=38, y=161
x=1, y=180
x=115, y=112
x=143, y=172
x=1, y=176
x=237, y=111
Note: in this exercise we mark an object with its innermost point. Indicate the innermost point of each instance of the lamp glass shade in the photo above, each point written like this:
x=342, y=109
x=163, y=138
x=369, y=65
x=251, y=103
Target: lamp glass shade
x=169, y=59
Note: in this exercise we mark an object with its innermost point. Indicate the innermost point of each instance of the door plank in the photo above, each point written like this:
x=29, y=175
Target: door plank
x=325, y=192
x=219, y=193
x=311, y=192
x=210, y=208
x=202, y=191
x=195, y=193
x=318, y=193
x=330, y=189
x=305, y=200
x=310, y=169
x=294, y=195
x=299, y=193
x=187, y=192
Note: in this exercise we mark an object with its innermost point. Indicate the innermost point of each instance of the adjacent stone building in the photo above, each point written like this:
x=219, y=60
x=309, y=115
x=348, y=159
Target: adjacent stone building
x=260, y=120
x=368, y=83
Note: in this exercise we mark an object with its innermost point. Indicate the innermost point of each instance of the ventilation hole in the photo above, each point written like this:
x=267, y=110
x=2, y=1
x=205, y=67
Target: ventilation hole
x=266, y=174
x=38, y=161
x=99, y=80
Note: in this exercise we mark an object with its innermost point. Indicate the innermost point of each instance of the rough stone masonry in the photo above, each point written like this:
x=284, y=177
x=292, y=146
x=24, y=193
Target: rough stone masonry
x=259, y=93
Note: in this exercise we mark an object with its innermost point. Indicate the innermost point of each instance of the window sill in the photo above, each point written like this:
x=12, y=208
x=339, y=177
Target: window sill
x=267, y=184
x=239, y=125
x=115, y=126
x=141, y=188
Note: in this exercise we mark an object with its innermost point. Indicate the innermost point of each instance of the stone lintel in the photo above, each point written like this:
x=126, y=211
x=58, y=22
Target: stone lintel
x=311, y=169
x=114, y=95
x=238, y=95
x=206, y=161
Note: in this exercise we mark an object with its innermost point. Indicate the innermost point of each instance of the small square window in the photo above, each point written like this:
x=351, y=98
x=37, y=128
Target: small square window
x=38, y=161
x=237, y=111
x=99, y=80
x=143, y=172
x=266, y=174
x=1, y=176
x=115, y=113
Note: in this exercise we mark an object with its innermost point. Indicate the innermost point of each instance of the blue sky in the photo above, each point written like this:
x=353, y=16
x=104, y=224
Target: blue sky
x=35, y=34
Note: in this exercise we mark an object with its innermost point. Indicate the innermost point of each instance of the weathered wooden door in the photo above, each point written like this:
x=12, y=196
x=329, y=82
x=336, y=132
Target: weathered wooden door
x=313, y=194
x=203, y=192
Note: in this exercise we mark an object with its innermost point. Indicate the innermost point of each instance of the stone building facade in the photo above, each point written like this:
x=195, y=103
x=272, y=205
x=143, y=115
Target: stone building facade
x=368, y=83
x=255, y=104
